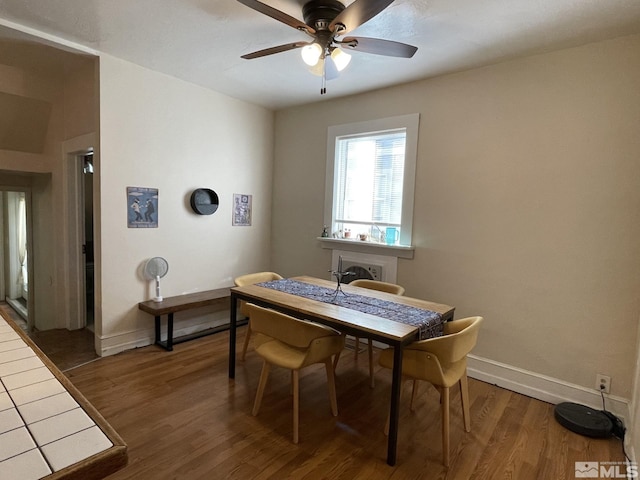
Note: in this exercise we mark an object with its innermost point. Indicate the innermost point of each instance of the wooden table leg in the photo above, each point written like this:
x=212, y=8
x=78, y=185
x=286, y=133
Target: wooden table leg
x=395, y=404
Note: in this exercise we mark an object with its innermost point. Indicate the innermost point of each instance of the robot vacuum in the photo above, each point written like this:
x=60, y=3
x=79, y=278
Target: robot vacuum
x=584, y=420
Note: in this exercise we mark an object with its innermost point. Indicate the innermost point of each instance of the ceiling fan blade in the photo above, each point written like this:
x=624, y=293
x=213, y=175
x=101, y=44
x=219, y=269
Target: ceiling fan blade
x=378, y=46
x=270, y=51
x=278, y=15
x=358, y=13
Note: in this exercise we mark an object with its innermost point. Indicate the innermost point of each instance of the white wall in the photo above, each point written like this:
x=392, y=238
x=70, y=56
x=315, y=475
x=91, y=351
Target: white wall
x=526, y=206
x=160, y=132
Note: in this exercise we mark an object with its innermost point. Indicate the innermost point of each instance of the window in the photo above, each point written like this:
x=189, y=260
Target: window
x=370, y=179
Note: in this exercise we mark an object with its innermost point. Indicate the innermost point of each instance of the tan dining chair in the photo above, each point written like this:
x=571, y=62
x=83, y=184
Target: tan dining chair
x=250, y=279
x=441, y=361
x=381, y=287
x=293, y=344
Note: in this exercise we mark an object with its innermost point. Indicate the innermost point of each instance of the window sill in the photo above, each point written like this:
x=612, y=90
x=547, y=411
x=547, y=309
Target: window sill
x=400, y=251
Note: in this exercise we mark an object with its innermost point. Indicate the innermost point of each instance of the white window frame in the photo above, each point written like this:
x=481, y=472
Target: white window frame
x=409, y=122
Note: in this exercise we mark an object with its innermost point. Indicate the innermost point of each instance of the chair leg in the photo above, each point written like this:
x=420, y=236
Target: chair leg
x=371, y=377
x=414, y=394
x=296, y=404
x=464, y=396
x=263, y=382
x=337, y=357
x=332, y=387
x=245, y=345
x=445, y=426
x=356, y=343
x=439, y=389
x=335, y=360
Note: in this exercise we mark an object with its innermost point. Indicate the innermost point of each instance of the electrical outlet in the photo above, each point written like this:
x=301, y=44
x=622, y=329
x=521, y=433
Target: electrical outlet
x=603, y=383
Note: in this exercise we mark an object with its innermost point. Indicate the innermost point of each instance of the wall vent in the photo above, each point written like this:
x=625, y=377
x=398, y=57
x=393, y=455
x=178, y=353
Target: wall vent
x=361, y=270
x=374, y=267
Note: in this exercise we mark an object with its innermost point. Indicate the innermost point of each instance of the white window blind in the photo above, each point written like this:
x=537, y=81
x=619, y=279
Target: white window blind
x=370, y=173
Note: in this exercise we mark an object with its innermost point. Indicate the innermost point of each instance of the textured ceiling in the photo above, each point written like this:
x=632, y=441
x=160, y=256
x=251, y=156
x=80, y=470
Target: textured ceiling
x=202, y=41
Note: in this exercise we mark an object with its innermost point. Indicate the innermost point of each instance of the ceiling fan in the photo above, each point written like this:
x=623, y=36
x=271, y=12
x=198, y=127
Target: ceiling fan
x=327, y=22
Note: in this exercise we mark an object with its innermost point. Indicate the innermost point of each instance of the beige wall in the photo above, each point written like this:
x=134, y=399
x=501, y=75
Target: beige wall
x=160, y=132
x=67, y=83
x=526, y=206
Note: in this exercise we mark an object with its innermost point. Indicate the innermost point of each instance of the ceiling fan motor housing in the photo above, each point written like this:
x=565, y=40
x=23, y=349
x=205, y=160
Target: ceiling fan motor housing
x=320, y=13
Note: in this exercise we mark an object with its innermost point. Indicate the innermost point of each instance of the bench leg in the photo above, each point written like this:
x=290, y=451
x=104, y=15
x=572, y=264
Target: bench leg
x=170, y=332
x=168, y=345
x=158, y=329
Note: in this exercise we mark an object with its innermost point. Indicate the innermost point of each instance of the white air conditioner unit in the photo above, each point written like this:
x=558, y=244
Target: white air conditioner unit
x=361, y=270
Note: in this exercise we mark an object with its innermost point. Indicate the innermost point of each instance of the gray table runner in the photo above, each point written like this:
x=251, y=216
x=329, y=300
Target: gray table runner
x=428, y=322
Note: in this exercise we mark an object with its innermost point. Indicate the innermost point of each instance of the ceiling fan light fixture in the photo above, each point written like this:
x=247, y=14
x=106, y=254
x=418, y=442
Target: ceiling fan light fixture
x=325, y=67
x=331, y=71
x=311, y=54
x=340, y=58
x=318, y=68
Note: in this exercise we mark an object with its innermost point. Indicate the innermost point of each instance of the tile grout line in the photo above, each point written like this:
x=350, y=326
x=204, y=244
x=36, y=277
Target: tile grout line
x=26, y=427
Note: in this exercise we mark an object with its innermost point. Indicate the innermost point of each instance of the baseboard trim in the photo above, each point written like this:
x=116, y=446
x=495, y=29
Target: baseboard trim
x=548, y=389
x=542, y=387
x=114, y=344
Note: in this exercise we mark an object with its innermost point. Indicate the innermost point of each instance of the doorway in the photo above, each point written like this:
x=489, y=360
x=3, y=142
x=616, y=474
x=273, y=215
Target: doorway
x=15, y=253
x=86, y=160
x=79, y=200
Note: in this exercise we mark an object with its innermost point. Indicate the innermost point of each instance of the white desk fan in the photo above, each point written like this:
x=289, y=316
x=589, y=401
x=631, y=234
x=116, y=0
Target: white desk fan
x=155, y=269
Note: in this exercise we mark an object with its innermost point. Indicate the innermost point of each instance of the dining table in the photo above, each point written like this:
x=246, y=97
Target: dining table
x=387, y=318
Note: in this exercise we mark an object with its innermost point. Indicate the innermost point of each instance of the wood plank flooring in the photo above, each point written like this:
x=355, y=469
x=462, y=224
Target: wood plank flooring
x=65, y=348
x=182, y=418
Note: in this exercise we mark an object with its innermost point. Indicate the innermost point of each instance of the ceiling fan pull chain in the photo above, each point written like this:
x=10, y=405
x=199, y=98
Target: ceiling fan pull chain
x=323, y=89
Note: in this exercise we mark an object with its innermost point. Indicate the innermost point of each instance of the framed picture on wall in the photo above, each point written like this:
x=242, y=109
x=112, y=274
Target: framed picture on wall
x=142, y=207
x=241, y=210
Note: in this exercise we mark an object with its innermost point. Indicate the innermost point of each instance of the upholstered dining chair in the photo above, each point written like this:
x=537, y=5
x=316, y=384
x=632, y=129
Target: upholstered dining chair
x=287, y=342
x=381, y=287
x=250, y=279
x=441, y=361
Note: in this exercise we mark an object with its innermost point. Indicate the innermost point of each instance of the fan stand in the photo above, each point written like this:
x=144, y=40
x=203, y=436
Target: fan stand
x=158, y=297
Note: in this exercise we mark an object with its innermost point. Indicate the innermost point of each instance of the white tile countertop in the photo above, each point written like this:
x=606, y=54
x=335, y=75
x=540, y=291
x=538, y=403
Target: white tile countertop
x=47, y=428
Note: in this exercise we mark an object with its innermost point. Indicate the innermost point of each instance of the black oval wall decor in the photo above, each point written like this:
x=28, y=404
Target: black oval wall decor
x=204, y=201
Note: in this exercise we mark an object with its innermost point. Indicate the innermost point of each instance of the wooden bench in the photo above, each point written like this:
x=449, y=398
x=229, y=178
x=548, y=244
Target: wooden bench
x=179, y=303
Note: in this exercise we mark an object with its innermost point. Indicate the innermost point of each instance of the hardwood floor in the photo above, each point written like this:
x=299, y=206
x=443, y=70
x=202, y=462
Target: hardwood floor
x=182, y=418
x=65, y=348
